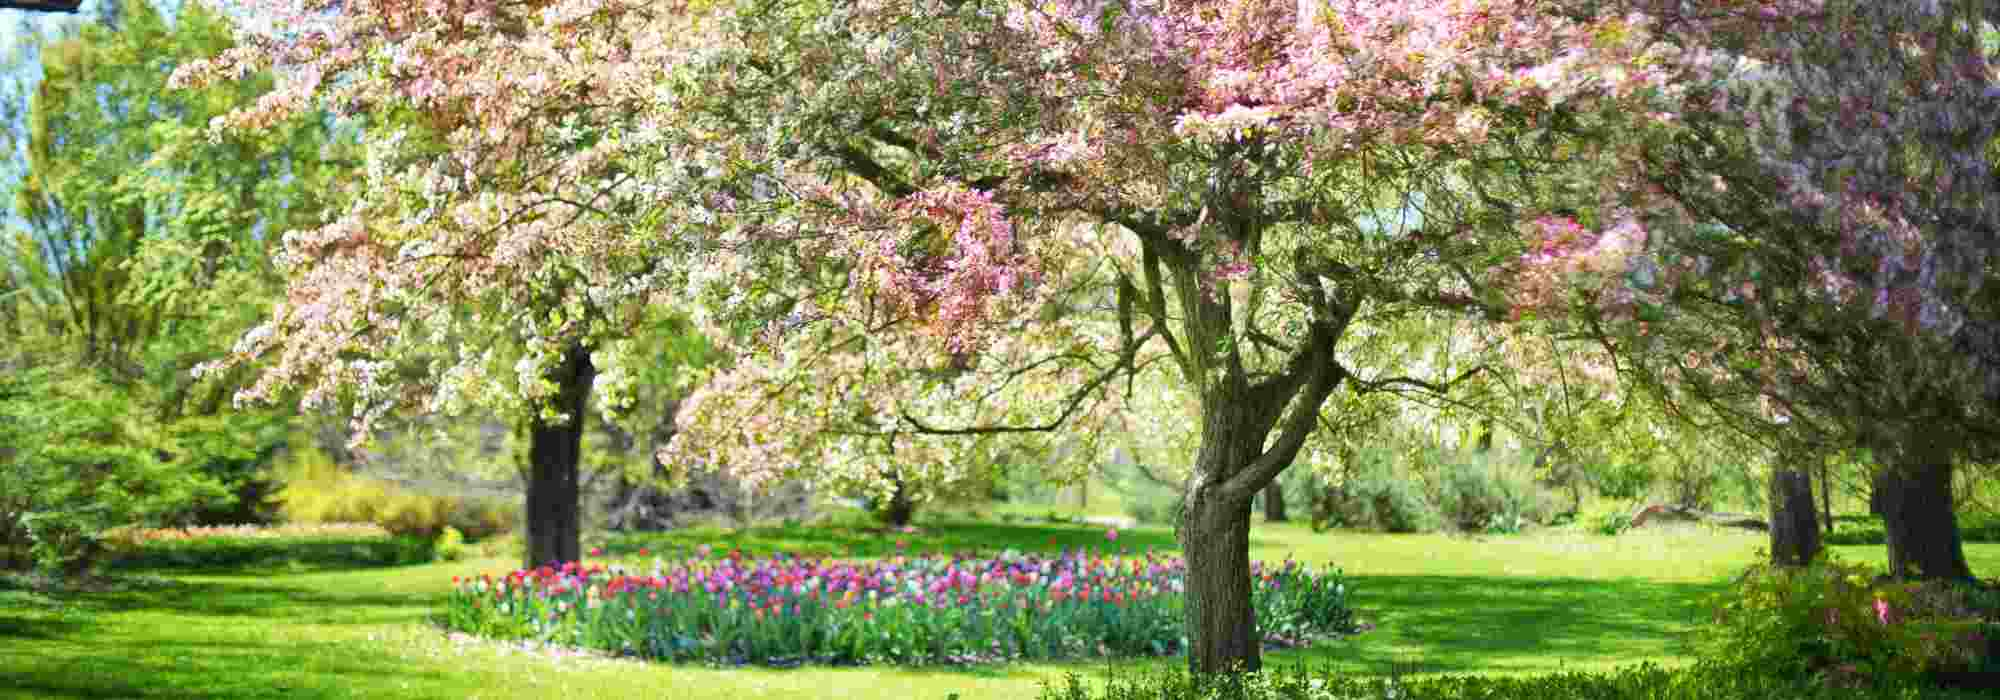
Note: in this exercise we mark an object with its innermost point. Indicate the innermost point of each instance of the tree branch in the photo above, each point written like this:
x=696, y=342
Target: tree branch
x=1367, y=386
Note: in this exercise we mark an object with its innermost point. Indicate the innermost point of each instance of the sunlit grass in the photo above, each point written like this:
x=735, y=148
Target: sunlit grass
x=1501, y=604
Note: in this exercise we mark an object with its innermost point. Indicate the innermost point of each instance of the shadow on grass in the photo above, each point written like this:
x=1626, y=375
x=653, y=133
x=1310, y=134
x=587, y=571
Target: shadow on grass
x=258, y=601
x=95, y=651
x=216, y=603
x=34, y=620
x=225, y=556
x=176, y=669
x=1461, y=624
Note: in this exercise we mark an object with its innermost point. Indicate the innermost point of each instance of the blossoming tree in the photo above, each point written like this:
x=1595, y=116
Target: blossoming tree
x=1823, y=237
x=936, y=231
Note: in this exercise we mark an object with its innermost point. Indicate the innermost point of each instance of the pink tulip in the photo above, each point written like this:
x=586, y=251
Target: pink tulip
x=1111, y=534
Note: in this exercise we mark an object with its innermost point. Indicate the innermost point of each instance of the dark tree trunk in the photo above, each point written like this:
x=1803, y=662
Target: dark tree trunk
x=1274, y=503
x=900, y=509
x=1794, y=525
x=1826, y=495
x=1914, y=499
x=554, y=510
x=1221, y=626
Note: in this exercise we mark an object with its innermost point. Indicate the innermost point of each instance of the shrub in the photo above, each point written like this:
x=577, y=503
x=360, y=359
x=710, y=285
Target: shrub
x=1608, y=518
x=77, y=458
x=319, y=491
x=233, y=449
x=1625, y=480
x=450, y=545
x=1869, y=530
x=1831, y=622
x=1474, y=495
x=1374, y=497
x=330, y=545
x=1702, y=681
x=910, y=610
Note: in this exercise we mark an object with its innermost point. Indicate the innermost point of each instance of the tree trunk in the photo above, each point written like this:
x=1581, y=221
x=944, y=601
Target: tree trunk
x=1826, y=495
x=901, y=508
x=1274, y=503
x=554, y=510
x=1914, y=498
x=1221, y=626
x=1794, y=525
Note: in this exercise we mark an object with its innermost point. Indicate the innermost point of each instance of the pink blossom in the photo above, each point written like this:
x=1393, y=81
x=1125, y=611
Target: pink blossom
x=1882, y=611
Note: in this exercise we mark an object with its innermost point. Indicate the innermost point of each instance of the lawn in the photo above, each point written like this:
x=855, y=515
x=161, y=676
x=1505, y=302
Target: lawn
x=1510, y=604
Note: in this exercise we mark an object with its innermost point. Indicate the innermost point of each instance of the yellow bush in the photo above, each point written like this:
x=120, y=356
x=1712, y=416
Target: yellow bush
x=319, y=491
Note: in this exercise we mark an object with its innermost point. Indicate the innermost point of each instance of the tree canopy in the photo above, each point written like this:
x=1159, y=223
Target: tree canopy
x=930, y=232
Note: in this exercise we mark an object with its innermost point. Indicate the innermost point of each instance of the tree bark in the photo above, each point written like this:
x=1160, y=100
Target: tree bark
x=1274, y=503
x=555, y=449
x=1794, y=524
x=1914, y=498
x=1826, y=495
x=1221, y=625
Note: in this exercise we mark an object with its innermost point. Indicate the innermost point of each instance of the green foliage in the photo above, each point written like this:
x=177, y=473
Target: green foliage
x=1477, y=494
x=1625, y=480
x=1833, y=622
x=79, y=461
x=141, y=252
x=1705, y=681
x=1146, y=494
x=235, y=450
x=450, y=545
x=319, y=491
x=1607, y=517
x=1869, y=530
x=289, y=552
x=1374, y=497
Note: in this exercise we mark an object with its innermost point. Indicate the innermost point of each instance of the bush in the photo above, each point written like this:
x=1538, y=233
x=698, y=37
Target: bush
x=1475, y=496
x=1608, y=518
x=77, y=458
x=450, y=545
x=1375, y=498
x=1869, y=530
x=1703, y=681
x=1831, y=622
x=920, y=610
x=333, y=545
x=234, y=450
x=1625, y=481
x=319, y=491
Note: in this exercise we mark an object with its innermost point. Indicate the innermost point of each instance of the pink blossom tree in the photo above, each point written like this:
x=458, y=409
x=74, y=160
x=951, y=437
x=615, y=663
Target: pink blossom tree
x=1824, y=219
x=937, y=231
x=495, y=243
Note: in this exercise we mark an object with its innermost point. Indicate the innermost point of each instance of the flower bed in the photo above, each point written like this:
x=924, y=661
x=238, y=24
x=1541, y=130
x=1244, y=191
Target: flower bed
x=788, y=610
x=1837, y=622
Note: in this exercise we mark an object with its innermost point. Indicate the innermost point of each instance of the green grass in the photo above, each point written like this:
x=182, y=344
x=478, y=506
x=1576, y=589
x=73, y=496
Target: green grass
x=1520, y=604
